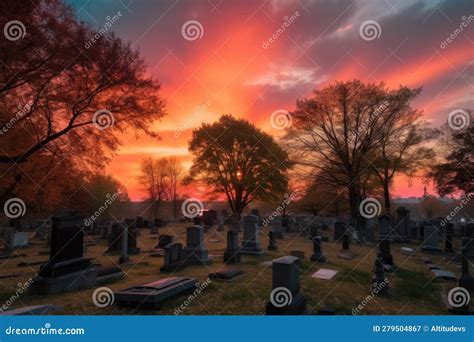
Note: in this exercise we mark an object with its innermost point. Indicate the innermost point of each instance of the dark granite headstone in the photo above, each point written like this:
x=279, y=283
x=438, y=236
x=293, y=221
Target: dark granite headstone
x=227, y=275
x=402, y=225
x=466, y=280
x=272, y=246
x=173, y=258
x=232, y=253
x=164, y=240
x=66, y=269
x=154, y=294
x=195, y=253
x=318, y=255
x=379, y=283
x=285, y=298
x=251, y=243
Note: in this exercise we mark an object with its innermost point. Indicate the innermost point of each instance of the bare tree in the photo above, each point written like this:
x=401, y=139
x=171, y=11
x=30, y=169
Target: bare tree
x=336, y=132
x=175, y=174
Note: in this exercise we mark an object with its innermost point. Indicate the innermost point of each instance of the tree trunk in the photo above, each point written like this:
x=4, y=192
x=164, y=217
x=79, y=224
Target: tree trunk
x=386, y=195
x=354, y=201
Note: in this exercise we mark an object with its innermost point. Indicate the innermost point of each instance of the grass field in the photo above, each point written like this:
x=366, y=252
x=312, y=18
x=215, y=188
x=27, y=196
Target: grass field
x=412, y=291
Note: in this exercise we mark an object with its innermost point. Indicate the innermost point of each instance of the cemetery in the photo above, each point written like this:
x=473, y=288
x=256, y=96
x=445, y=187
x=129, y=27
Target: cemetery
x=221, y=158
x=320, y=278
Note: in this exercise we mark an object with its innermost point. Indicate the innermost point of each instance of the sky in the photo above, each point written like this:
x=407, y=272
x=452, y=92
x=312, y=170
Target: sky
x=250, y=58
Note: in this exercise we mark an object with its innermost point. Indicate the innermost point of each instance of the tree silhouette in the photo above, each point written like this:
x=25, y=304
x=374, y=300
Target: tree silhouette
x=234, y=157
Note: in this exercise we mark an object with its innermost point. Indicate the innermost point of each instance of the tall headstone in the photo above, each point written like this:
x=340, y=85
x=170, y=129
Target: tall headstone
x=318, y=255
x=232, y=253
x=384, y=227
x=379, y=283
x=116, y=238
x=384, y=252
x=234, y=221
x=8, y=236
x=124, y=255
x=339, y=230
x=448, y=236
x=402, y=225
x=195, y=253
x=173, y=259
x=251, y=243
x=272, y=246
x=66, y=269
x=285, y=298
x=431, y=239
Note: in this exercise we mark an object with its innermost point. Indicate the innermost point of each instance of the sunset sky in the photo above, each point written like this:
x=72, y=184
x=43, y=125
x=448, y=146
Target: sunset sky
x=233, y=68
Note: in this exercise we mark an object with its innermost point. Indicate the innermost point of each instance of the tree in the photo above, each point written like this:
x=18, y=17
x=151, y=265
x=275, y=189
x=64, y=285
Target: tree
x=155, y=182
x=237, y=159
x=456, y=172
x=336, y=132
x=175, y=174
x=401, y=147
x=71, y=93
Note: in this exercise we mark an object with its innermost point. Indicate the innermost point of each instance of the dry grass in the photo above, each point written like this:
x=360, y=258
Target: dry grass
x=412, y=292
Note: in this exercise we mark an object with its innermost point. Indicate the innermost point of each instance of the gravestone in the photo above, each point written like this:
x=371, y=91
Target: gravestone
x=116, y=239
x=277, y=227
x=448, y=237
x=164, y=240
x=195, y=253
x=402, y=225
x=66, y=269
x=384, y=252
x=339, y=230
x=271, y=241
x=234, y=221
x=197, y=220
x=361, y=228
x=313, y=231
x=379, y=283
x=431, y=239
x=384, y=227
x=346, y=253
x=139, y=222
x=318, y=255
x=227, y=275
x=286, y=223
x=173, y=259
x=285, y=298
x=154, y=294
x=232, y=252
x=124, y=252
x=466, y=280
x=251, y=243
